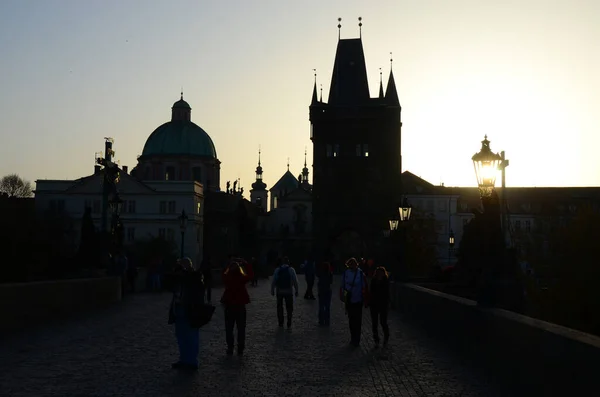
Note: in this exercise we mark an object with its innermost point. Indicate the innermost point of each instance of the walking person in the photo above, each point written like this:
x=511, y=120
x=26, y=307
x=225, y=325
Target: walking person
x=188, y=293
x=235, y=298
x=285, y=281
x=354, y=293
x=309, y=274
x=379, y=301
x=325, y=275
x=206, y=269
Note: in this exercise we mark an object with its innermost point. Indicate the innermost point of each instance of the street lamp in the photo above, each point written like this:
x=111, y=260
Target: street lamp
x=393, y=224
x=405, y=210
x=487, y=164
x=451, y=239
x=183, y=218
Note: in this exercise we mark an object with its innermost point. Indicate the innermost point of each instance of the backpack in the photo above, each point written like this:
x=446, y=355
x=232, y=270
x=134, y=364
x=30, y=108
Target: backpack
x=284, y=278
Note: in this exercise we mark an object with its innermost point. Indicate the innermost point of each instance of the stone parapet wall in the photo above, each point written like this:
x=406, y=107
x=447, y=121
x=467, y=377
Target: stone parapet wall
x=29, y=304
x=551, y=359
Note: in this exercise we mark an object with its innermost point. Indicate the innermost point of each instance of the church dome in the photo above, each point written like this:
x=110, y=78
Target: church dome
x=179, y=138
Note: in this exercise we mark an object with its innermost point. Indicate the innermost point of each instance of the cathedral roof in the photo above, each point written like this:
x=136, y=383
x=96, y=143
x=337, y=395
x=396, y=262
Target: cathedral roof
x=180, y=138
x=287, y=182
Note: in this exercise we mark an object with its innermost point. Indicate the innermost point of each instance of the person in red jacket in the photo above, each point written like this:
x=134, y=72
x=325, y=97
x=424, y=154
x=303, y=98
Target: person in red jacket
x=235, y=298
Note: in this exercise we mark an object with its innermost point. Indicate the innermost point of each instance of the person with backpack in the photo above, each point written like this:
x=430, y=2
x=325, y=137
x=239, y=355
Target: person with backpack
x=285, y=281
x=354, y=293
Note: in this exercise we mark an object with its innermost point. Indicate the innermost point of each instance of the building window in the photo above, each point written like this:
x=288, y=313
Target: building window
x=163, y=207
x=170, y=174
x=430, y=206
x=96, y=207
x=130, y=206
x=171, y=207
x=274, y=202
x=365, y=150
x=336, y=150
x=528, y=226
x=162, y=232
x=197, y=174
x=170, y=235
x=130, y=234
x=517, y=225
x=198, y=207
x=124, y=207
x=259, y=202
x=329, y=149
x=442, y=206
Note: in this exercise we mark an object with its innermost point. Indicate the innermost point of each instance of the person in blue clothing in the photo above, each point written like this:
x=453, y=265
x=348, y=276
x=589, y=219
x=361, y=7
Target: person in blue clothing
x=325, y=275
x=188, y=292
x=309, y=274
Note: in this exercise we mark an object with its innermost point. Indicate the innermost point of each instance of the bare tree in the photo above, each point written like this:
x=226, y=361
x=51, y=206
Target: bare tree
x=14, y=186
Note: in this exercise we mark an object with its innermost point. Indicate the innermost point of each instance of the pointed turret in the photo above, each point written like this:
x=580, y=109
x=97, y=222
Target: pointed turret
x=314, y=100
x=391, y=95
x=380, y=84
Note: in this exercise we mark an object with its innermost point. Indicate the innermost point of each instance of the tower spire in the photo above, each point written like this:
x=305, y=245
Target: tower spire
x=380, y=84
x=339, y=28
x=321, y=100
x=304, y=156
x=314, y=94
x=304, y=176
x=391, y=95
x=360, y=27
x=288, y=164
x=181, y=92
x=259, y=155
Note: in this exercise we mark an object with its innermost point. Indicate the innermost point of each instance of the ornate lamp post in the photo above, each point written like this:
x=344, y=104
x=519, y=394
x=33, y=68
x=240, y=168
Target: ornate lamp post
x=183, y=218
x=486, y=164
x=404, y=210
x=496, y=286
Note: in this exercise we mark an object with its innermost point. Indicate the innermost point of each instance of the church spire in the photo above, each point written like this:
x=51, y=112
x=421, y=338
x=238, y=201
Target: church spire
x=259, y=184
x=314, y=100
x=304, y=177
x=380, y=84
x=391, y=95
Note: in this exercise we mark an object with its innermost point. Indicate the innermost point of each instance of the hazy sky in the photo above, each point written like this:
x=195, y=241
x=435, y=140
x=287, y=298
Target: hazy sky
x=525, y=72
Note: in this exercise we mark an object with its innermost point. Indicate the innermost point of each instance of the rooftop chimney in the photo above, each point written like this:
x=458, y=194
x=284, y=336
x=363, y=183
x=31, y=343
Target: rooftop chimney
x=96, y=169
x=125, y=169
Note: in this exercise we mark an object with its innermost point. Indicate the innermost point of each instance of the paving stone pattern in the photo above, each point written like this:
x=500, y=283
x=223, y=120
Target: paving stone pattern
x=127, y=350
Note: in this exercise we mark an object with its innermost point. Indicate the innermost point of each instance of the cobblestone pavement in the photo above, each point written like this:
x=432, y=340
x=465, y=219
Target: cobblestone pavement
x=127, y=350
